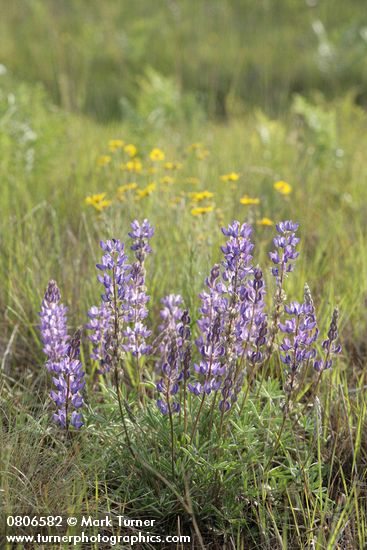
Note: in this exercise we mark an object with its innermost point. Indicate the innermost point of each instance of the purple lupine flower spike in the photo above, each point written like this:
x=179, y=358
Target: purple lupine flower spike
x=176, y=333
x=101, y=324
x=104, y=322
x=69, y=385
x=283, y=257
x=210, y=342
x=254, y=320
x=228, y=313
x=53, y=327
x=329, y=345
x=141, y=235
x=62, y=359
x=297, y=346
x=136, y=296
x=285, y=253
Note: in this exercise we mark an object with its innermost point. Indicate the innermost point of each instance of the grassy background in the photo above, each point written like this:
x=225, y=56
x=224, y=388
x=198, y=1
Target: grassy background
x=274, y=91
x=93, y=56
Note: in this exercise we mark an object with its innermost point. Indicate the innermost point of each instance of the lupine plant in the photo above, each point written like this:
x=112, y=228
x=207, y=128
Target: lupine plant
x=236, y=335
x=62, y=359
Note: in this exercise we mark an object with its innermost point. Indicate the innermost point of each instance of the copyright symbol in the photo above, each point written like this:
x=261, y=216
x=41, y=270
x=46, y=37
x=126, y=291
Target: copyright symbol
x=72, y=521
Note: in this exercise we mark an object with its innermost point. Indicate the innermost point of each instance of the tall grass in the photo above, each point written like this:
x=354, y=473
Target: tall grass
x=92, y=56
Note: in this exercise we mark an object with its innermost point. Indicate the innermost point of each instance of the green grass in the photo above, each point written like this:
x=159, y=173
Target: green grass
x=93, y=56
x=245, y=490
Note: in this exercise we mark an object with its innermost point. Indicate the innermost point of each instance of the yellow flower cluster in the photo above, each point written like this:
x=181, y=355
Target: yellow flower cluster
x=115, y=144
x=200, y=196
x=265, y=221
x=156, y=154
x=134, y=165
x=232, y=176
x=200, y=210
x=146, y=191
x=98, y=201
x=246, y=200
x=103, y=160
x=130, y=150
x=137, y=171
x=283, y=187
x=167, y=180
x=173, y=165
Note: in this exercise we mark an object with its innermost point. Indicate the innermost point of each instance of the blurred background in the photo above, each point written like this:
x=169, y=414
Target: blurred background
x=124, y=60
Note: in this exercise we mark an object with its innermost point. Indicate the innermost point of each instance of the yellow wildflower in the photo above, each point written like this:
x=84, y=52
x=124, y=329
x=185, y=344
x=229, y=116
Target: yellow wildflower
x=98, y=201
x=115, y=144
x=175, y=200
x=133, y=165
x=131, y=150
x=192, y=181
x=265, y=221
x=173, y=165
x=103, y=160
x=200, y=210
x=283, y=187
x=200, y=195
x=201, y=154
x=249, y=200
x=232, y=176
x=167, y=180
x=156, y=154
x=123, y=189
x=195, y=146
x=148, y=190
x=151, y=170
x=128, y=187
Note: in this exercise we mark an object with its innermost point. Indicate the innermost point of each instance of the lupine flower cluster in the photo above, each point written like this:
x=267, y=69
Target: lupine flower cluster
x=285, y=249
x=233, y=323
x=117, y=324
x=69, y=384
x=297, y=347
x=329, y=345
x=62, y=359
x=136, y=311
x=232, y=333
x=171, y=348
x=53, y=327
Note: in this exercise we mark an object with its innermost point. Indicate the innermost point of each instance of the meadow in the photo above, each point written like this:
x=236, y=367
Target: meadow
x=285, y=465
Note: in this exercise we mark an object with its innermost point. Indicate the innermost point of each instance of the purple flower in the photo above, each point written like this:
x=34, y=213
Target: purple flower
x=301, y=332
x=285, y=249
x=252, y=314
x=63, y=359
x=68, y=387
x=211, y=340
x=101, y=325
x=105, y=320
x=141, y=235
x=174, y=351
x=114, y=269
x=231, y=313
x=53, y=327
x=329, y=345
x=117, y=325
x=136, y=298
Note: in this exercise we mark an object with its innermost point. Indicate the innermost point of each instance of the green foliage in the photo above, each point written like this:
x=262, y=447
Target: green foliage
x=159, y=102
x=90, y=54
